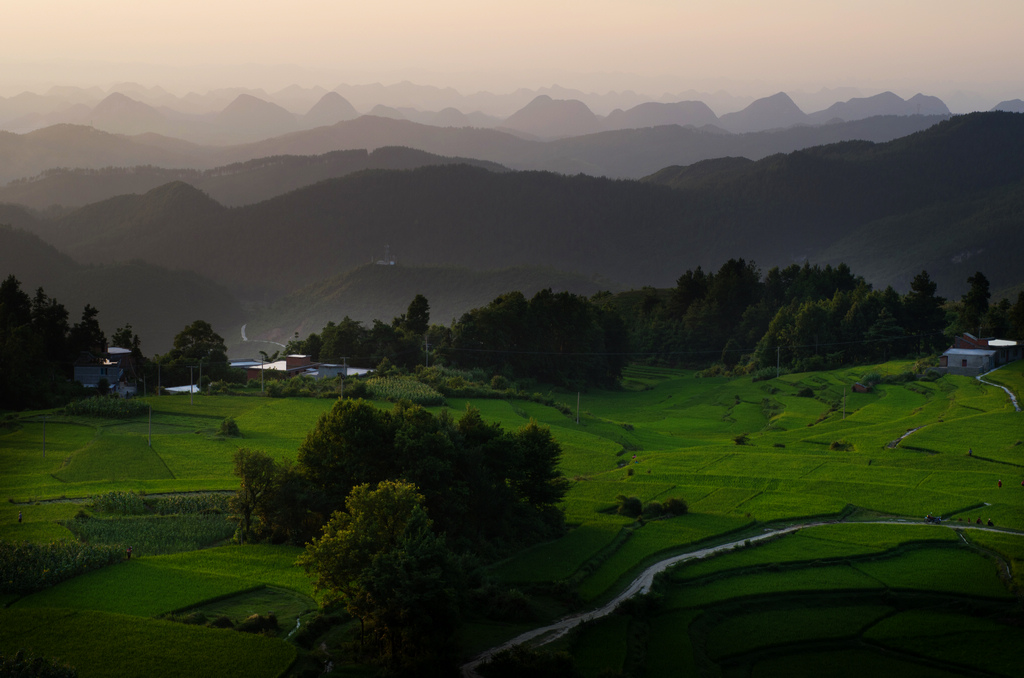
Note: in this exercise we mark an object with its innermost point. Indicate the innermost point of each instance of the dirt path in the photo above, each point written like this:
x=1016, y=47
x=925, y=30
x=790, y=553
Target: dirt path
x=642, y=584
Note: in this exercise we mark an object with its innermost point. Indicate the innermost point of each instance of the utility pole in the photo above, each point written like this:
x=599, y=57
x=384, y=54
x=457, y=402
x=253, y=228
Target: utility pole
x=426, y=351
x=158, y=386
x=200, y=374
x=777, y=353
x=191, y=386
x=577, y=407
x=344, y=373
x=44, y=436
x=151, y=426
x=844, y=402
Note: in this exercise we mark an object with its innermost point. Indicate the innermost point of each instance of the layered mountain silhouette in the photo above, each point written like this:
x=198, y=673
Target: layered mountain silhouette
x=781, y=209
x=945, y=199
x=231, y=185
x=627, y=153
x=157, y=302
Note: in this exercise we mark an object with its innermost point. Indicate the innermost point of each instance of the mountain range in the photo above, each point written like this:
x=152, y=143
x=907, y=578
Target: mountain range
x=248, y=117
x=625, y=153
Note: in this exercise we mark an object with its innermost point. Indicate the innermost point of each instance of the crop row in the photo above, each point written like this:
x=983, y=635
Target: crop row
x=153, y=535
x=26, y=567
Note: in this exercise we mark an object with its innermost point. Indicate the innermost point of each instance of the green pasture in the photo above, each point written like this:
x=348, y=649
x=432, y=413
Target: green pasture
x=744, y=455
x=101, y=644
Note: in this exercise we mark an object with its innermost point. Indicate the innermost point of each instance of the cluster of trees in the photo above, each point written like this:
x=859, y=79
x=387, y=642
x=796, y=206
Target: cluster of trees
x=39, y=347
x=557, y=338
x=486, y=488
x=806, y=317
x=393, y=503
x=401, y=342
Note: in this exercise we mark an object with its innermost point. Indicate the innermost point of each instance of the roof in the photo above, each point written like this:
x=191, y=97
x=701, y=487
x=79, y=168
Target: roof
x=1001, y=342
x=970, y=351
x=115, y=350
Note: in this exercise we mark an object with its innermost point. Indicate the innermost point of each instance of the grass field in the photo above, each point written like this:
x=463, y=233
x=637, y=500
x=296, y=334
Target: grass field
x=899, y=451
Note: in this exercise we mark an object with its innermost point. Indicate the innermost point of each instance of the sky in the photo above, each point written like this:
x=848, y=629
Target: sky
x=652, y=46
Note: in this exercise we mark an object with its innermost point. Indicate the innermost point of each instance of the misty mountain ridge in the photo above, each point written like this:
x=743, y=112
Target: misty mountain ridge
x=251, y=115
x=231, y=185
x=630, y=153
x=778, y=210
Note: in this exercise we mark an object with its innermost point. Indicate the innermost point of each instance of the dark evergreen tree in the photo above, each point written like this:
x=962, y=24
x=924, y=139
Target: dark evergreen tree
x=974, y=304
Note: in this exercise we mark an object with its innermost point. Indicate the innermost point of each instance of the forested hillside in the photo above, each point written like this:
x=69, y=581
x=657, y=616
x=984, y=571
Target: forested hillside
x=915, y=197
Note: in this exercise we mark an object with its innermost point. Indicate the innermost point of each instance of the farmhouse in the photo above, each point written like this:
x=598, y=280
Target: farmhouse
x=970, y=355
x=294, y=365
x=115, y=365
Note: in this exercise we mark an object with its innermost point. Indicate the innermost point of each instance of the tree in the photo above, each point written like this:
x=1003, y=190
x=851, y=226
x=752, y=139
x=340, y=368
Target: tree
x=974, y=304
x=198, y=341
x=1017, y=318
x=380, y=558
x=125, y=337
x=258, y=473
x=922, y=310
x=417, y=317
x=86, y=335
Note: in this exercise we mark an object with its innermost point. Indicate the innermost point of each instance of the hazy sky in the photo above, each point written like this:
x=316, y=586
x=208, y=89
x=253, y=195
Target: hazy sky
x=758, y=45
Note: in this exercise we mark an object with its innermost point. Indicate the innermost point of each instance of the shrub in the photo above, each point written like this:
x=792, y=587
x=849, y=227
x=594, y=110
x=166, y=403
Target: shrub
x=499, y=383
x=871, y=378
x=357, y=389
x=229, y=428
x=741, y=439
x=675, y=506
x=257, y=623
x=628, y=506
x=840, y=446
x=806, y=392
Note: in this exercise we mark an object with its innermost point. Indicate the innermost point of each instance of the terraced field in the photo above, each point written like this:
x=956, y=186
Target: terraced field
x=746, y=456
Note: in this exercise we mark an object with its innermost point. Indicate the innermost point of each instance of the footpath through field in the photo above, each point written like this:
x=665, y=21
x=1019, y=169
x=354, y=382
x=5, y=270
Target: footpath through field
x=642, y=584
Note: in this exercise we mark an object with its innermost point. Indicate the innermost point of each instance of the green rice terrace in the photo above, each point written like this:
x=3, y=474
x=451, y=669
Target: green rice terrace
x=864, y=587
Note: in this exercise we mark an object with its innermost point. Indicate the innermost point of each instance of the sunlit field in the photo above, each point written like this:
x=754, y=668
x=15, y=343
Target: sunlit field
x=745, y=456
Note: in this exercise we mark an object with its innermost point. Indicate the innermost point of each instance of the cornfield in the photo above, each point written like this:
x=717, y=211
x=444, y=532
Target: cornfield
x=107, y=408
x=394, y=389
x=26, y=567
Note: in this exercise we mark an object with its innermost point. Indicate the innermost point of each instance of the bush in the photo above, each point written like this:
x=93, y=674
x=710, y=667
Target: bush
x=629, y=506
x=840, y=446
x=357, y=389
x=499, y=383
x=806, y=392
x=257, y=623
x=675, y=506
x=229, y=428
x=741, y=439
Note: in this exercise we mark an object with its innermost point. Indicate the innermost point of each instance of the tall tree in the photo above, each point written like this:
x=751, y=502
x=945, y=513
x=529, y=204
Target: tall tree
x=974, y=304
x=924, y=318
x=258, y=473
x=417, y=317
x=86, y=335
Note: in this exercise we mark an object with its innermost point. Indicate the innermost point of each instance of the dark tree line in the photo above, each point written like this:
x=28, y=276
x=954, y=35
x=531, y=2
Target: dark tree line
x=39, y=346
x=806, y=317
x=556, y=338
